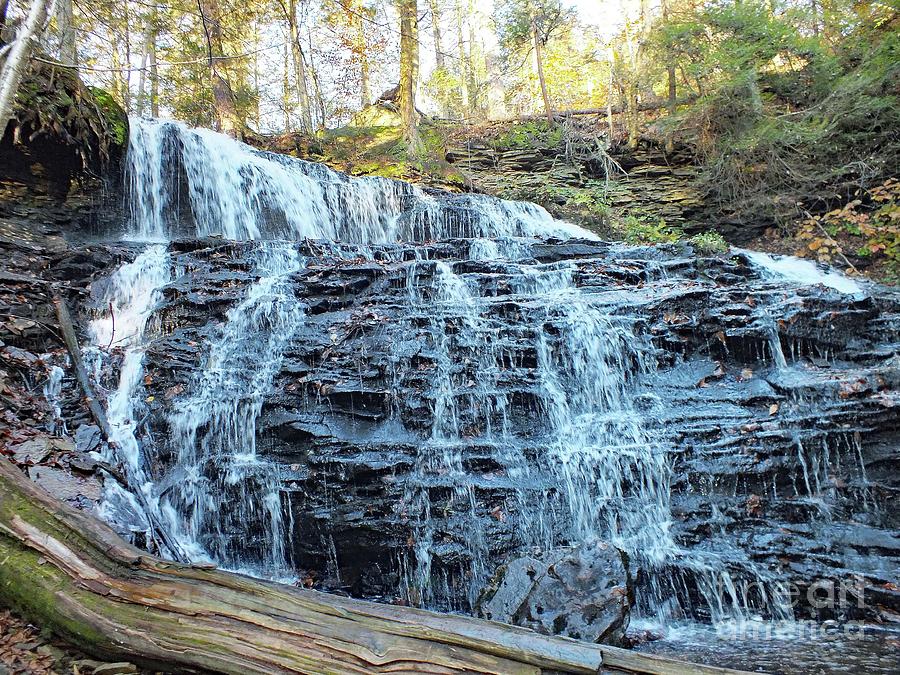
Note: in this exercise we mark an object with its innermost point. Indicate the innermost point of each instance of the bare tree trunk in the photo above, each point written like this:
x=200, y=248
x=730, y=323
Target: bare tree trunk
x=142, y=79
x=286, y=90
x=409, y=71
x=306, y=124
x=65, y=24
x=154, y=68
x=539, y=61
x=16, y=62
x=471, y=56
x=317, y=90
x=673, y=93
x=73, y=576
x=463, y=67
x=227, y=118
x=435, y=9
x=611, y=56
x=365, y=97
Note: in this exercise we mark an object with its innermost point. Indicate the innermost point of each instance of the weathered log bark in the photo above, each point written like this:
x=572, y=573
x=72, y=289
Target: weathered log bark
x=67, y=330
x=69, y=573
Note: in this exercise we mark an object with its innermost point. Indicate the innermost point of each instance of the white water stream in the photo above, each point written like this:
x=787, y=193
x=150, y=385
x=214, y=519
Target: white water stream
x=613, y=473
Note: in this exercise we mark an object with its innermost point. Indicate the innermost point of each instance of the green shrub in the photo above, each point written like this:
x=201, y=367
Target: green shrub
x=637, y=230
x=709, y=243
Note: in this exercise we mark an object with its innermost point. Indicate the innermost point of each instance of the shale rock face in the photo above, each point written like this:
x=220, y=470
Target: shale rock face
x=582, y=593
x=646, y=181
x=776, y=405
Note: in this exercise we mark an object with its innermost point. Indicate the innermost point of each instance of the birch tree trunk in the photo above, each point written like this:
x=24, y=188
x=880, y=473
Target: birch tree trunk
x=16, y=62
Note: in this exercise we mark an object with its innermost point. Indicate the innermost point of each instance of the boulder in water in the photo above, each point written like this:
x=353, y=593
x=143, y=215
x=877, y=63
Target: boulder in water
x=582, y=593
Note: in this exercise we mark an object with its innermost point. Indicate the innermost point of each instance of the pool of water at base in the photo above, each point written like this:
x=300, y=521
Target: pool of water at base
x=789, y=648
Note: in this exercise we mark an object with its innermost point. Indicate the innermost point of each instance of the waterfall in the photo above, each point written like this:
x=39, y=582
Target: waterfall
x=220, y=500
x=221, y=495
x=198, y=182
x=131, y=295
x=590, y=461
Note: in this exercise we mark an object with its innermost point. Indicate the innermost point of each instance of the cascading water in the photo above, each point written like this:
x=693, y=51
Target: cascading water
x=220, y=498
x=133, y=293
x=196, y=182
x=591, y=462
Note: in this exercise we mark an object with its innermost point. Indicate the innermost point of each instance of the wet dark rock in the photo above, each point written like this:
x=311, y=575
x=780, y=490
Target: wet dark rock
x=769, y=463
x=582, y=593
x=87, y=438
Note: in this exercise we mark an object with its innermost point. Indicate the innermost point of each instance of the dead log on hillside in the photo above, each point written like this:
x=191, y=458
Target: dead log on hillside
x=71, y=574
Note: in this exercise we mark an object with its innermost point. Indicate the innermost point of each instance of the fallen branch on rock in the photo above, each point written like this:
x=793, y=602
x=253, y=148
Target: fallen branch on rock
x=71, y=574
x=99, y=414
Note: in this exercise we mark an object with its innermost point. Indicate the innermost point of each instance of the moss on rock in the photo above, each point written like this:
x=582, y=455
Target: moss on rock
x=115, y=115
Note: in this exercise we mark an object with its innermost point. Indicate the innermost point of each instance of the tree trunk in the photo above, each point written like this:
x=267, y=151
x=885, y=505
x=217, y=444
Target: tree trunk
x=154, y=69
x=227, y=119
x=463, y=62
x=286, y=90
x=142, y=79
x=436, y=32
x=435, y=9
x=72, y=575
x=409, y=71
x=539, y=61
x=17, y=59
x=306, y=124
x=670, y=71
x=611, y=56
x=317, y=89
x=358, y=18
x=65, y=24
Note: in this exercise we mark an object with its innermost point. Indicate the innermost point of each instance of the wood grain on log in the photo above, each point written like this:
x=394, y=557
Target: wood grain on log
x=71, y=574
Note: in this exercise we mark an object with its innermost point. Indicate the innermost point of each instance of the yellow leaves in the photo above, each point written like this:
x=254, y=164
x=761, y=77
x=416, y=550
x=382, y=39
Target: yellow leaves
x=773, y=409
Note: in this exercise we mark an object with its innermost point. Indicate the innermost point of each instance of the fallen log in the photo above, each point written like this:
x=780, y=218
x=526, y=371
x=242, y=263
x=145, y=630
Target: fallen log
x=69, y=573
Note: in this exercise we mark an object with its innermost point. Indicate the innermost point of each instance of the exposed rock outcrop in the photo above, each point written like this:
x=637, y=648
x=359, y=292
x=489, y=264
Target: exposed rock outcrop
x=581, y=593
x=783, y=470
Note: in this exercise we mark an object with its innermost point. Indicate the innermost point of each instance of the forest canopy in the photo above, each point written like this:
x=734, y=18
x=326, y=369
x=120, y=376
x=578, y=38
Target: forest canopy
x=790, y=106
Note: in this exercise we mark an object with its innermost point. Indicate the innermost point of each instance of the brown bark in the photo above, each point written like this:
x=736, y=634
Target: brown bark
x=72, y=575
x=306, y=124
x=227, y=118
x=539, y=60
x=409, y=73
